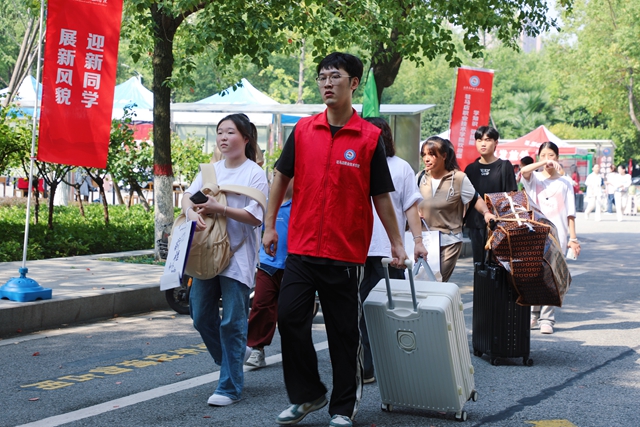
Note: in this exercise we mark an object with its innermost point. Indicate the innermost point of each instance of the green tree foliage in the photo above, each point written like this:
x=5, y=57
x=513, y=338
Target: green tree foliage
x=15, y=138
x=393, y=30
x=597, y=60
x=129, y=161
x=187, y=155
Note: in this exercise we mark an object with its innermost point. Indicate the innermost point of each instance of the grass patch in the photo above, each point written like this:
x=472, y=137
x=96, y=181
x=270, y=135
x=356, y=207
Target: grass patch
x=139, y=259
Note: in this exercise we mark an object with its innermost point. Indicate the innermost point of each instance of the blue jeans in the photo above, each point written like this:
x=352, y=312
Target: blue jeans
x=226, y=337
x=610, y=203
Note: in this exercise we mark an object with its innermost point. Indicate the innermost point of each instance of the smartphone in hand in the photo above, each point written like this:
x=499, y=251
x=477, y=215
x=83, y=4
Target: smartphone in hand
x=199, y=198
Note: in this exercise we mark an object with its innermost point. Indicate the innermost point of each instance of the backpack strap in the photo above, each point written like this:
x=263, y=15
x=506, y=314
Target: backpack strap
x=210, y=181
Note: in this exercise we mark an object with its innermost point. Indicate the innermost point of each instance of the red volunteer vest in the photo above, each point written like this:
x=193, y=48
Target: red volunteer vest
x=331, y=216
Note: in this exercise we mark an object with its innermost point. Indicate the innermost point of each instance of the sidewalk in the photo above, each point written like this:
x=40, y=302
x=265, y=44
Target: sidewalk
x=84, y=289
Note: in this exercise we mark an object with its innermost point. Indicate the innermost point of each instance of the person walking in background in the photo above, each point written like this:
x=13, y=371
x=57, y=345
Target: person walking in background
x=405, y=203
x=339, y=165
x=526, y=160
x=612, y=182
x=594, y=183
x=623, y=191
x=554, y=196
x=264, y=311
x=226, y=338
x=446, y=192
x=488, y=174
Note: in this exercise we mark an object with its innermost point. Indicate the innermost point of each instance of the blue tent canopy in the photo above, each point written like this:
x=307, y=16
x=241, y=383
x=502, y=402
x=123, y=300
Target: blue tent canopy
x=133, y=93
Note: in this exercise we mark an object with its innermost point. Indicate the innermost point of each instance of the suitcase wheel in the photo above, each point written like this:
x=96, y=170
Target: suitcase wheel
x=495, y=361
x=474, y=396
x=386, y=408
x=477, y=353
x=527, y=362
x=462, y=416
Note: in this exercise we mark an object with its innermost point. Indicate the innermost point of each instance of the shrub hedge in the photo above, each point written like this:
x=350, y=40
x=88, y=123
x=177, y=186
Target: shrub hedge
x=72, y=234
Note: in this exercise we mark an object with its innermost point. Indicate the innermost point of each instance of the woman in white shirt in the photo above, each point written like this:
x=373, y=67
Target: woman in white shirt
x=594, y=184
x=226, y=337
x=554, y=195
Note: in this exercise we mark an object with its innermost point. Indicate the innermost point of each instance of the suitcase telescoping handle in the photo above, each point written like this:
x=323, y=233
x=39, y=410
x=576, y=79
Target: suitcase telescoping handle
x=409, y=264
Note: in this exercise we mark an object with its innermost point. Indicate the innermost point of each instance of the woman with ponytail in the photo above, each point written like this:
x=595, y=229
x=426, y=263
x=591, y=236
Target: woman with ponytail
x=226, y=336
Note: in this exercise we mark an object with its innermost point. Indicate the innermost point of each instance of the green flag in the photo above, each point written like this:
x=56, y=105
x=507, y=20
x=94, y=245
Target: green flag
x=371, y=105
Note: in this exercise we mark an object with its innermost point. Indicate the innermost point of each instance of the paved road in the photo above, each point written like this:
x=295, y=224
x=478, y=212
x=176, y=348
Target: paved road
x=151, y=370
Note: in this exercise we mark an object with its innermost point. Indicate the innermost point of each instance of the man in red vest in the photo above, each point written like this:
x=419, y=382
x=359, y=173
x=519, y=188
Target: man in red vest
x=339, y=164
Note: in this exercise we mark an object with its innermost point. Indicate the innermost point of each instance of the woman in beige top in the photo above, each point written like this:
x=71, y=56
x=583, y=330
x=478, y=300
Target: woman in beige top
x=446, y=193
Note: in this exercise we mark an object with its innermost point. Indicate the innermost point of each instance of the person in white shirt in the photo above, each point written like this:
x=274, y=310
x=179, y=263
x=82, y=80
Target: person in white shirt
x=405, y=200
x=594, y=184
x=226, y=335
x=554, y=195
x=623, y=190
x=611, y=182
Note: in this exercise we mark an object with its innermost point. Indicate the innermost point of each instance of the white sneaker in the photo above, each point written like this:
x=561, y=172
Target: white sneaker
x=340, y=421
x=256, y=359
x=546, y=328
x=220, y=400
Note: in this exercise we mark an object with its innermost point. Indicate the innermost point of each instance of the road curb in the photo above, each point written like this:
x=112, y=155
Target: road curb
x=61, y=311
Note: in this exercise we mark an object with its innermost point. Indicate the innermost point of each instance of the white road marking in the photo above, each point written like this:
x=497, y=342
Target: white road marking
x=144, y=396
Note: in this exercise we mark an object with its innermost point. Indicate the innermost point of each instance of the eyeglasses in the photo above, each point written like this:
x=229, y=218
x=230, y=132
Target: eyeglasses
x=333, y=79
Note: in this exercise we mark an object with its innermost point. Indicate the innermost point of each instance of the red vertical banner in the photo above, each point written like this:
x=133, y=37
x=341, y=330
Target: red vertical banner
x=78, y=81
x=471, y=109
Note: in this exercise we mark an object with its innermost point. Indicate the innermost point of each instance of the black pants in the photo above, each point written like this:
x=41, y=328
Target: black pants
x=373, y=273
x=478, y=238
x=337, y=289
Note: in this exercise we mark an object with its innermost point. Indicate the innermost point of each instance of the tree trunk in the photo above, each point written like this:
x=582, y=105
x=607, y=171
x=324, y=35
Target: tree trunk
x=165, y=28
x=138, y=190
x=301, y=74
x=632, y=104
x=116, y=188
x=24, y=61
x=52, y=193
x=386, y=63
x=79, y=196
x=36, y=197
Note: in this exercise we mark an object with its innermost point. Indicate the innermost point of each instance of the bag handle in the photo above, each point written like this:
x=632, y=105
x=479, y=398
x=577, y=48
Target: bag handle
x=209, y=180
x=423, y=263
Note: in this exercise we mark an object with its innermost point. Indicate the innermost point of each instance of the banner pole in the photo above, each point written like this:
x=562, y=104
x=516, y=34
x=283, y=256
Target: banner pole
x=22, y=288
x=33, y=138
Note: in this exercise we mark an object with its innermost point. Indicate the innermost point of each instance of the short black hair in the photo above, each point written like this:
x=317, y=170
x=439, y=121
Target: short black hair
x=526, y=160
x=488, y=131
x=350, y=63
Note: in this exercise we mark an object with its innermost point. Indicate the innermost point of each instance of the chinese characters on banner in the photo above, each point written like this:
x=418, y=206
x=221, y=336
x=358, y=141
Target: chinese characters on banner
x=471, y=108
x=78, y=81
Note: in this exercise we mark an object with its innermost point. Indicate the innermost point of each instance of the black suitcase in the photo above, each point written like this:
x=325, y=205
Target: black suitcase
x=501, y=328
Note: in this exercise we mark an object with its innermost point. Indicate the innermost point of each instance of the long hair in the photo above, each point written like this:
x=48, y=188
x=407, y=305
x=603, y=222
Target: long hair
x=441, y=147
x=550, y=145
x=247, y=130
x=387, y=137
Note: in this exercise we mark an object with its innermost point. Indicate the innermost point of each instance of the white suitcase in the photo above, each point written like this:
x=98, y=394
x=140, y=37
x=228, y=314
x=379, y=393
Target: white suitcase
x=419, y=345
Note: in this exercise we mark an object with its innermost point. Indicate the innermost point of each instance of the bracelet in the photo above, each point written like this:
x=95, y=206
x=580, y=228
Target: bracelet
x=416, y=238
x=224, y=213
x=575, y=240
x=187, y=213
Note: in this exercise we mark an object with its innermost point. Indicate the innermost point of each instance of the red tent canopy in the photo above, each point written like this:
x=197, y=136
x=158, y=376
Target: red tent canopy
x=528, y=145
